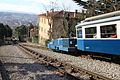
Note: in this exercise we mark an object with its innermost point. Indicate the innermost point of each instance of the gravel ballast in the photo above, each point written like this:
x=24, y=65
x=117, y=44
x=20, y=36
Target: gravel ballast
x=21, y=66
x=107, y=69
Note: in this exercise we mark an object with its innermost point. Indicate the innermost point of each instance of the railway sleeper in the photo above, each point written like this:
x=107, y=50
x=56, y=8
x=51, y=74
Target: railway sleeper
x=76, y=70
x=40, y=56
x=33, y=53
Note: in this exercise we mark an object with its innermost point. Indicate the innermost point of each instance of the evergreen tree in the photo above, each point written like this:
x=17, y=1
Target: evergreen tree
x=2, y=30
x=8, y=31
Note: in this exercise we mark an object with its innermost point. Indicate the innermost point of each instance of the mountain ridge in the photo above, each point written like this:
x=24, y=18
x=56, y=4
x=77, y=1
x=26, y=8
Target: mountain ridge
x=14, y=19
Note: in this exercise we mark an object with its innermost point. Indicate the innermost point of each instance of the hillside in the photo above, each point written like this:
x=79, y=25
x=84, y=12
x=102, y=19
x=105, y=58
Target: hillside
x=15, y=19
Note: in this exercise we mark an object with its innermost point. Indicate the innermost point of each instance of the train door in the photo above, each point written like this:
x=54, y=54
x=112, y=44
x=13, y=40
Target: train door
x=80, y=41
x=79, y=33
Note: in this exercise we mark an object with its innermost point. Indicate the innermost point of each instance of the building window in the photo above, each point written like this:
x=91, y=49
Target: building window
x=44, y=21
x=91, y=32
x=108, y=31
x=41, y=39
x=44, y=30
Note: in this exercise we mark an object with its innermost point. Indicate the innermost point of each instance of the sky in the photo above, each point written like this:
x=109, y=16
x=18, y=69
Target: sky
x=37, y=6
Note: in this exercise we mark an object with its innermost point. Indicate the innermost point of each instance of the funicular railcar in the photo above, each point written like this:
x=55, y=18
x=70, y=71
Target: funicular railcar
x=100, y=34
x=63, y=44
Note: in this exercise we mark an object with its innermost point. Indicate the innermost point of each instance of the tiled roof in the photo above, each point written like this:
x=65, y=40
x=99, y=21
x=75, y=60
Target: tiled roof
x=58, y=14
x=50, y=14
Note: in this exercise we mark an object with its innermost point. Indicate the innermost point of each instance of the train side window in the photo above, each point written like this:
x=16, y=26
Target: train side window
x=108, y=31
x=79, y=33
x=91, y=32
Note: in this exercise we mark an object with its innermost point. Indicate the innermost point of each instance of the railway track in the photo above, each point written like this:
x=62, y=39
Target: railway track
x=89, y=55
x=3, y=71
x=72, y=71
x=16, y=65
x=49, y=61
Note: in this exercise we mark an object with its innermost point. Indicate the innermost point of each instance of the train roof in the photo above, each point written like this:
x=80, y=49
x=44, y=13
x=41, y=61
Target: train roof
x=107, y=15
x=99, y=19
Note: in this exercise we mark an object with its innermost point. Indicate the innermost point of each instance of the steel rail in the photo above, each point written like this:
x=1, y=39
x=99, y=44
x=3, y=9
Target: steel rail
x=44, y=59
x=65, y=67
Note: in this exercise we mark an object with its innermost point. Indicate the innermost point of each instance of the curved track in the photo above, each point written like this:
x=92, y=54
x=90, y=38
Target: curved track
x=15, y=64
x=64, y=67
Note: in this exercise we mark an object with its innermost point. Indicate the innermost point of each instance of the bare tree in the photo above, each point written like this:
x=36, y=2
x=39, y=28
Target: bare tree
x=64, y=25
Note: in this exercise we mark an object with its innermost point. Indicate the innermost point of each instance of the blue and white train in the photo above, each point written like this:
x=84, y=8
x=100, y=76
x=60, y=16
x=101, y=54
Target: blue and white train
x=63, y=44
x=95, y=34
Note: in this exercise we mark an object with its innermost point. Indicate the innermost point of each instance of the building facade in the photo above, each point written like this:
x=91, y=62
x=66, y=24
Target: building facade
x=54, y=25
x=34, y=34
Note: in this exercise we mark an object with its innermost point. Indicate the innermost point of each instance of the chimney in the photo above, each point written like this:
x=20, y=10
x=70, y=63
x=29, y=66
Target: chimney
x=63, y=13
x=75, y=13
x=47, y=13
x=52, y=10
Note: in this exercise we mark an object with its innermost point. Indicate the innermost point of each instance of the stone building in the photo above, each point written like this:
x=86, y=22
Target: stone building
x=54, y=25
x=34, y=35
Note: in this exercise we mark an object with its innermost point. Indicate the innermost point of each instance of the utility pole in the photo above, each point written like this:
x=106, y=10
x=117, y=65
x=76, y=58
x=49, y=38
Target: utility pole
x=68, y=21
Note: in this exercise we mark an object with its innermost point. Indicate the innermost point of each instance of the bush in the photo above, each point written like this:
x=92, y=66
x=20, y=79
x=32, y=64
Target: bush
x=29, y=40
x=46, y=42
